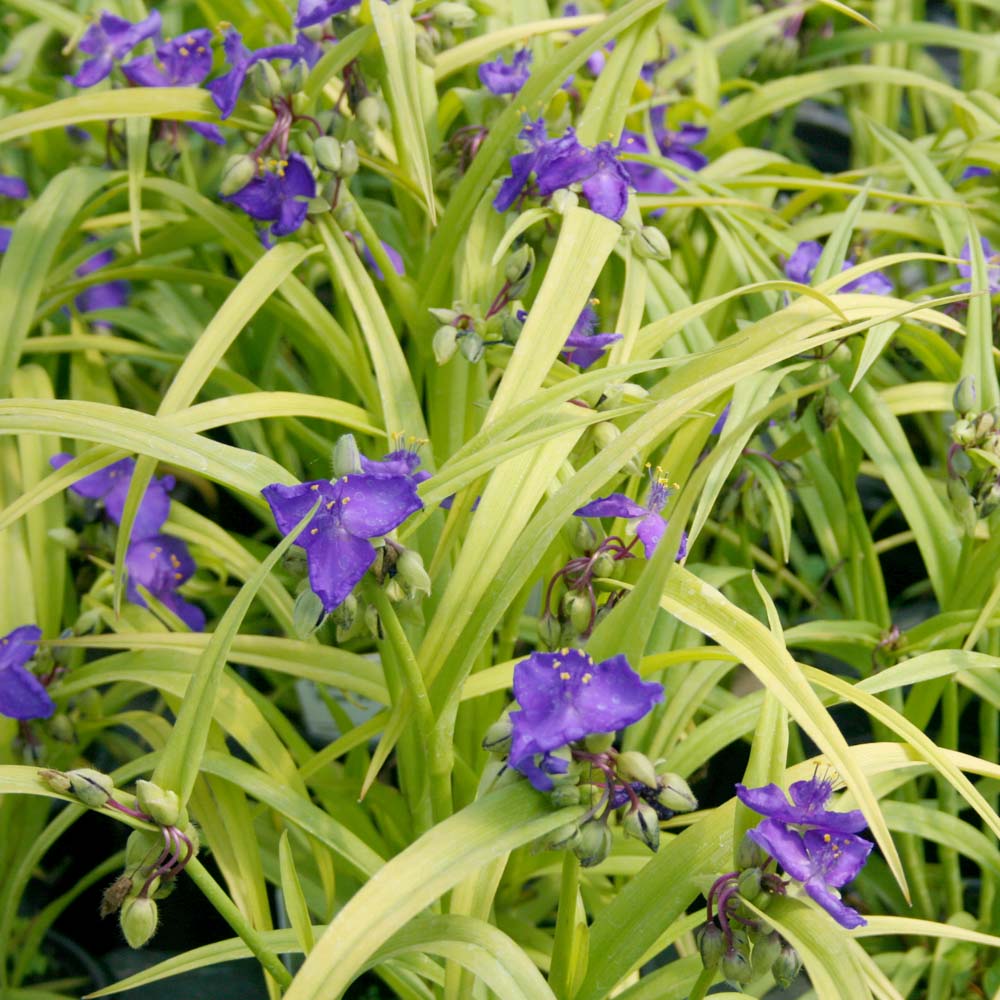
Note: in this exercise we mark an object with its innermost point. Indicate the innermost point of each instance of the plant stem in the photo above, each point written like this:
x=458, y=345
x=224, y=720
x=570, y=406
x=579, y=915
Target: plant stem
x=701, y=984
x=561, y=972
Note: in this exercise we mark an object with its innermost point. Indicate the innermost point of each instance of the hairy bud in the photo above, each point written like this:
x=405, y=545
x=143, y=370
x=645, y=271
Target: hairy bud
x=138, y=920
x=766, y=950
x=736, y=968
x=160, y=803
x=749, y=884
x=711, y=945
x=91, y=787
x=564, y=838
x=650, y=244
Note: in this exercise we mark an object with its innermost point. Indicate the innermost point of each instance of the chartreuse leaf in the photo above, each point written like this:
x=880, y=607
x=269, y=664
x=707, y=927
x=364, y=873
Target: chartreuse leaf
x=137, y=146
x=838, y=245
x=37, y=235
x=412, y=880
x=178, y=766
x=295, y=901
x=977, y=356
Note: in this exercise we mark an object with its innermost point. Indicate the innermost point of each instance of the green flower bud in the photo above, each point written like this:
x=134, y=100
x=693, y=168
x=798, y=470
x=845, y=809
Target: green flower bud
x=565, y=795
x=749, y=883
x=307, y=614
x=395, y=591
x=643, y=824
x=650, y=244
x=675, y=793
x=594, y=844
x=162, y=804
x=564, y=838
x=91, y=787
x=964, y=398
x=61, y=728
x=454, y=15
x=519, y=265
x=549, y=632
x=604, y=434
x=829, y=412
x=962, y=432
x=599, y=742
x=66, y=537
x=56, y=780
x=346, y=457
x=510, y=327
x=750, y=854
x=766, y=950
x=447, y=316
x=367, y=112
x=472, y=347
x=293, y=80
x=584, y=536
x=139, y=917
x=736, y=968
x=349, y=160
x=961, y=464
x=142, y=848
x=786, y=967
x=87, y=622
x=985, y=424
x=327, y=153
x=372, y=622
x=161, y=155
x=579, y=611
x=346, y=215
x=497, y=738
x=265, y=80
x=604, y=565
x=563, y=200
x=635, y=766
x=445, y=344
x=410, y=569
x=238, y=172
x=425, y=49
x=711, y=944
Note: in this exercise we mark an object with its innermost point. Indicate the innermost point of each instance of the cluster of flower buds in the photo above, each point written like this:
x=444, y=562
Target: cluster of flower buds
x=471, y=333
x=154, y=855
x=973, y=458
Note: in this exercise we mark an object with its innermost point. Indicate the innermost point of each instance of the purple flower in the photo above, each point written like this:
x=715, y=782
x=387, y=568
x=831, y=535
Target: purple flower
x=402, y=462
x=566, y=696
x=316, y=11
x=647, y=522
x=184, y=61
x=499, y=78
x=800, y=266
x=5, y=234
x=970, y=172
x=22, y=694
x=992, y=267
x=821, y=861
x=720, y=422
x=354, y=509
x=13, y=187
x=807, y=808
x=111, y=484
x=109, y=39
x=160, y=564
x=583, y=346
x=391, y=252
x=279, y=195
x=107, y=295
x=676, y=146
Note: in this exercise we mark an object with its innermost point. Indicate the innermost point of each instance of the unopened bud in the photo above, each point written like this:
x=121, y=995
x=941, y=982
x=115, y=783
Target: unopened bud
x=579, y=611
x=510, y=327
x=565, y=795
x=265, y=80
x=445, y=344
x=829, y=412
x=650, y=244
x=604, y=564
x=675, y=793
x=736, y=968
x=985, y=424
x=471, y=346
x=367, y=112
x=293, y=80
x=327, y=153
x=961, y=464
x=307, y=614
x=372, y=622
x=594, y=844
x=711, y=945
x=142, y=848
x=61, y=728
x=139, y=917
x=238, y=172
x=962, y=432
x=584, y=536
x=786, y=967
x=549, y=631
x=749, y=883
x=563, y=200
x=346, y=457
x=605, y=434
x=446, y=316
x=56, y=780
x=410, y=569
x=519, y=265
x=643, y=824
x=66, y=537
x=498, y=736
x=395, y=591
x=91, y=787
x=454, y=15
x=766, y=950
x=160, y=803
x=635, y=766
x=749, y=854
x=349, y=161
x=425, y=49
x=599, y=742
x=964, y=398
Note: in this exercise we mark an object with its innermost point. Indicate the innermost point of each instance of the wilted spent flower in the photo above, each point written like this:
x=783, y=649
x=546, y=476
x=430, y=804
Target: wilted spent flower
x=115, y=895
x=642, y=823
x=138, y=920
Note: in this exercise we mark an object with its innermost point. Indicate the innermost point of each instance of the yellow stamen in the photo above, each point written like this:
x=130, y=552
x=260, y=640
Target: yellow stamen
x=586, y=678
x=564, y=676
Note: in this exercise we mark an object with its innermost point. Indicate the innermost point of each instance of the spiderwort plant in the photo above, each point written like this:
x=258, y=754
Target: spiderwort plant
x=22, y=695
x=109, y=40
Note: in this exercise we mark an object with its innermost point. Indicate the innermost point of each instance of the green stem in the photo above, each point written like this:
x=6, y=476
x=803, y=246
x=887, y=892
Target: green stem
x=561, y=971
x=948, y=800
x=701, y=984
x=229, y=912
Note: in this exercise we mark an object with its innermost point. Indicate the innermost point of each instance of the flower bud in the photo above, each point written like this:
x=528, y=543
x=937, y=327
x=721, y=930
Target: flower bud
x=410, y=569
x=61, y=728
x=91, y=787
x=786, y=967
x=961, y=464
x=366, y=113
x=964, y=398
x=454, y=15
x=675, y=793
x=66, y=537
x=293, y=80
x=736, y=968
x=599, y=742
x=549, y=631
x=962, y=432
x=510, y=327
x=643, y=824
x=142, y=848
x=580, y=612
x=265, y=80
x=372, y=621
x=711, y=944
x=346, y=457
x=604, y=565
x=650, y=244
x=635, y=766
x=829, y=412
x=605, y=434
x=160, y=803
x=565, y=795
x=584, y=536
x=56, y=780
x=238, y=172
x=563, y=200
x=749, y=854
x=497, y=738
x=749, y=883
x=349, y=161
x=446, y=316
x=139, y=917
x=766, y=950
x=471, y=346
x=327, y=153
x=87, y=622
x=307, y=614
x=425, y=49
x=594, y=844
x=395, y=591
x=564, y=838
x=445, y=344
x=519, y=265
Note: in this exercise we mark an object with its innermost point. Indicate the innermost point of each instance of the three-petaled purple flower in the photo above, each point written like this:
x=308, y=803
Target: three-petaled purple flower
x=992, y=267
x=184, y=61
x=109, y=39
x=969, y=173
x=312, y=12
x=821, y=860
x=107, y=294
x=280, y=195
x=558, y=163
x=160, y=564
x=353, y=509
x=647, y=521
x=22, y=694
x=800, y=266
x=565, y=696
x=500, y=78
x=676, y=146
x=583, y=345
x=807, y=808
x=10, y=187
